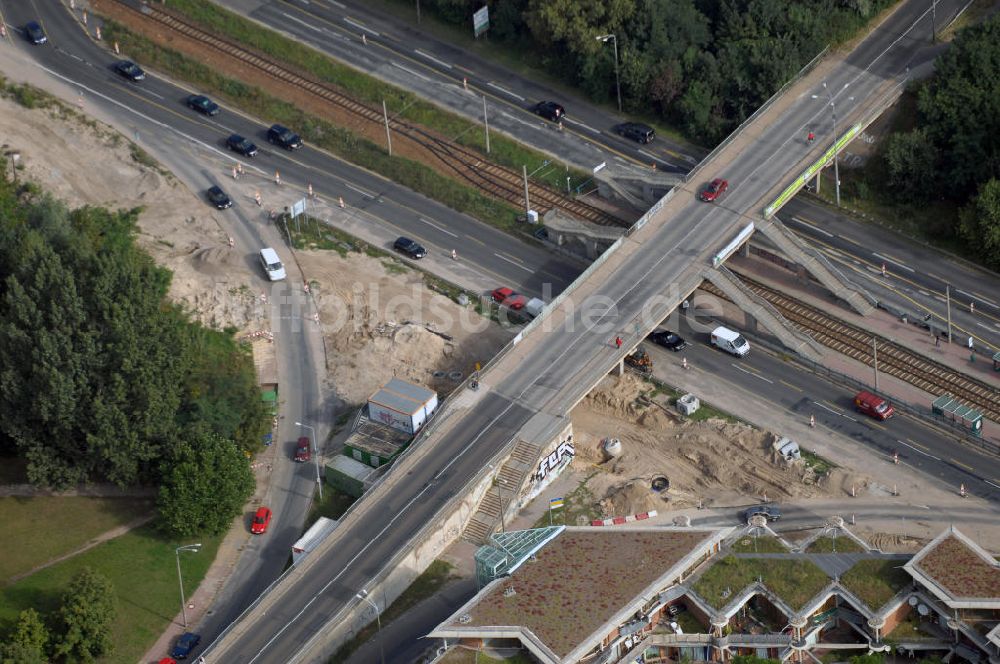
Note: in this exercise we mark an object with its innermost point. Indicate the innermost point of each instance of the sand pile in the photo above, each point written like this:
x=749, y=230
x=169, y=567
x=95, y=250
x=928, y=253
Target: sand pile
x=380, y=320
x=710, y=462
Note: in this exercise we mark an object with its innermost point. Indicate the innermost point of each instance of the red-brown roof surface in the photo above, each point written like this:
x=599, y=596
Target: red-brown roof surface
x=960, y=570
x=579, y=581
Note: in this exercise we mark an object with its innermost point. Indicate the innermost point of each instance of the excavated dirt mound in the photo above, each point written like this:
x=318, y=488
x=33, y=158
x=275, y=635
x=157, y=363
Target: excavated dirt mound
x=708, y=462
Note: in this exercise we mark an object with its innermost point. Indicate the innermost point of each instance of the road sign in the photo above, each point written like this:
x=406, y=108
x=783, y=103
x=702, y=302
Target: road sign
x=298, y=207
x=481, y=21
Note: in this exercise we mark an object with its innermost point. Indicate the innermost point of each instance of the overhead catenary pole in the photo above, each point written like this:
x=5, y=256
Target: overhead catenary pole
x=388, y=137
x=875, y=359
x=947, y=298
x=486, y=123
x=527, y=201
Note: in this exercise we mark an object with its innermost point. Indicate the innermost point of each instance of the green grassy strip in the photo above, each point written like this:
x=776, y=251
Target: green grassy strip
x=430, y=582
x=834, y=545
x=372, y=91
x=323, y=134
x=795, y=581
x=766, y=544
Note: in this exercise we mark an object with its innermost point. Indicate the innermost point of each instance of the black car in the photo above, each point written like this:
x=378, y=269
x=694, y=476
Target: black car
x=33, y=31
x=130, y=70
x=218, y=198
x=186, y=643
x=550, y=110
x=243, y=146
x=769, y=512
x=668, y=340
x=284, y=137
x=203, y=105
x=636, y=131
x=405, y=245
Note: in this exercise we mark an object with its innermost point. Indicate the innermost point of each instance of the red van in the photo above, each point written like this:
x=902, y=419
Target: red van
x=873, y=405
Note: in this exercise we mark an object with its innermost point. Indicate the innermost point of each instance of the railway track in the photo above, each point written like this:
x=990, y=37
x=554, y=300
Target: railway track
x=893, y=359
x=497, y=181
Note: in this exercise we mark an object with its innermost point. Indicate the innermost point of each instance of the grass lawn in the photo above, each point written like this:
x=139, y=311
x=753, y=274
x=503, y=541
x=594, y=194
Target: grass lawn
x=834, y=544
x=766, y=544
x=876, y=581
x=141, y=566
x=333, y=505
x=579, y=507
x=794, y=581
x=39, y=529
x=432, y=580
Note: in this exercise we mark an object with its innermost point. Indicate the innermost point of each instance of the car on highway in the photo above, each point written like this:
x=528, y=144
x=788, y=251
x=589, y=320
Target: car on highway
x=186, y=643
x=303, y=451
x=33, y=32
x=261, y=520
x=405, y=245
x=769, y=512
x=218, y=198
x=549, y=110
x=873, y=405
x=130, y=70
x=636, y=131
x=501, y=294
x=203, y=105
x=668, y=340
x=272, y=264
x=714, y=190
x=241, y=145
x=515, y=302
x=283, y=137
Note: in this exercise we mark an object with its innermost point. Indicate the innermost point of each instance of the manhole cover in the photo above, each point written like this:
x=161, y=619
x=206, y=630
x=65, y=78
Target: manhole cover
x=456, y=376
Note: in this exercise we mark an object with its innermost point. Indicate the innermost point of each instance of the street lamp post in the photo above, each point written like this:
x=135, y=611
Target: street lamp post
x=363, y=595
x=836, y=149
x=319, y=482
x=193, y=548
x=618, y=86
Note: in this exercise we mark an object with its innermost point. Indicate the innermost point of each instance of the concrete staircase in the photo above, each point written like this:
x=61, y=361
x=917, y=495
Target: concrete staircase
x=508, y=481
x=816, y=264
x=751, y=303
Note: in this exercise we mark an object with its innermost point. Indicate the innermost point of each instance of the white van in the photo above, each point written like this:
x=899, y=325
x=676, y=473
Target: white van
x=730, y=341
x=534, y=307
x=272, y=264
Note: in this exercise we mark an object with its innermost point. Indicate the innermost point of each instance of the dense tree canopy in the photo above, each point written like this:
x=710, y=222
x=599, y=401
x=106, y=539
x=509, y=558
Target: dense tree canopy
x=101, y=377
x=85, y=618
x=703, y=65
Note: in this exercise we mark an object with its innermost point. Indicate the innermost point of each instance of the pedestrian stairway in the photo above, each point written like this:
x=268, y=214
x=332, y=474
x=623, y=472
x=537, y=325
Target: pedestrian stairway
x=506, y=484
x=766, y=315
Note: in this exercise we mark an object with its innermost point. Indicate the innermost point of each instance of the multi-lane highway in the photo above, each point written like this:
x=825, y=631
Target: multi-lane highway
x=549, y=371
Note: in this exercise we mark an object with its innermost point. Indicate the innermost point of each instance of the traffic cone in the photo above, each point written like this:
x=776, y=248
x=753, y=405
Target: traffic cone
x=454, y=255
x=117, y=50
x=854, y=492
x=310, y=191
x=232, y=242
x=883, y=269
x=256, y=198
x=972, y=307
x=894, y=492
x=684, y=363
x=364, y=40
x=961, y=491
x=98, y=32
x=812, y=421
x=85, y=17
x=236, y=175
x=277, y=178
x=465, y=83
x=895, y=458
x=340, y=201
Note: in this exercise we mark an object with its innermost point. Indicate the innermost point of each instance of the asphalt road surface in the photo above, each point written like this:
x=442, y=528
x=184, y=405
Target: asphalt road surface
x=556, y=368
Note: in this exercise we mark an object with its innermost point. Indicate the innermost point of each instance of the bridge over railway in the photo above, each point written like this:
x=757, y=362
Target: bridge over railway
x=525, y=393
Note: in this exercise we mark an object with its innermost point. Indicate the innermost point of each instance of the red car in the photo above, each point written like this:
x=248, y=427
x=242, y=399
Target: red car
x=261, y=520
x=715, y=189
x=501, y=294
x=515, y=302
x=303, y=451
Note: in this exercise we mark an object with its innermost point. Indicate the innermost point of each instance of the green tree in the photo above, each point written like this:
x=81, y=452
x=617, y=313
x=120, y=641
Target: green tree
x=85, y=618
x=979, y=223
x=910, y=161
x=206, y=482
x=28, y=643
x=16, y=653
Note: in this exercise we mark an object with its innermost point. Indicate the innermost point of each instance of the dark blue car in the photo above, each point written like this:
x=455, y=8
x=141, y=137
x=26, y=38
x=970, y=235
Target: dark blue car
x=185, y=644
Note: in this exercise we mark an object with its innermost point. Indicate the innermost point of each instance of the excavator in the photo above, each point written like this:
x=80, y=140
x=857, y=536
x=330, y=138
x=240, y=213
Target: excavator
x=640, y=361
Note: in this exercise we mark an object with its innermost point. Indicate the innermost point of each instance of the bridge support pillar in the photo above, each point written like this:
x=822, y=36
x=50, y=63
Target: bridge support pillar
x=745, y=249
x=818, y=179
x=619, y=368
x=750, y=322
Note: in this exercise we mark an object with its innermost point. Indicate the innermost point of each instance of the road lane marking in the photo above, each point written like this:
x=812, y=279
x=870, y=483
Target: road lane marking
x=585, y=126
x=359, y=190
x=432, y=58
x=787, y=384
x=505, y=91
x=411, y=72
x=918, y=450
x=835, y=412
x=752, y=373
x=894, y=262
x=361, y=26
x=962, y=465
x=813, y=226
x=504, y=258
x=475, y=239
x=851, y=240
x=978, y=297
x=992, y=484
x=301, y=22
x=440, y=228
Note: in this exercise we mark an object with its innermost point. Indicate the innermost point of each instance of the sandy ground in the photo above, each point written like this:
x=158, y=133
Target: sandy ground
x=380, y=321
x=707, y=463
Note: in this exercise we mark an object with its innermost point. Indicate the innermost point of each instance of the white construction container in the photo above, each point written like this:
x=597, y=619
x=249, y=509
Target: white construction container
x=402, y=405
x=312, y=537
x=534, y=307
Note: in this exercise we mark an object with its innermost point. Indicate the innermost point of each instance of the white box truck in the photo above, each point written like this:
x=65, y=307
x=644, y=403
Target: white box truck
x=730, y=341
